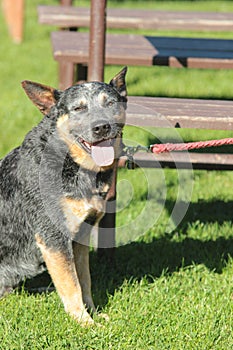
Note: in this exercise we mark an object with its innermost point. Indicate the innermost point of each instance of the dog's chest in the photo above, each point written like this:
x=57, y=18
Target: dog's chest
x=79, y=211
x=85, y=205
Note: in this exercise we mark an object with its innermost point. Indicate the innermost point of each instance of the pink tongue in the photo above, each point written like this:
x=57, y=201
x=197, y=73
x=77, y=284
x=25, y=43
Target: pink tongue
x=103, y=153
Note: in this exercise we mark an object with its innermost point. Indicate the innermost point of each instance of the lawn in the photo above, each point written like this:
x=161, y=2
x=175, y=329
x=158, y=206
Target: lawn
x=171, y=283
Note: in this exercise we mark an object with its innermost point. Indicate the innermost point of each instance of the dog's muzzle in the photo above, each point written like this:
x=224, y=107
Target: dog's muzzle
x=101, y=130
x=102, y=147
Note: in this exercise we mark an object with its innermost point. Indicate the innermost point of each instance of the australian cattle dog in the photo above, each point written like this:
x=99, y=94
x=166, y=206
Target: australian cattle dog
x=53, y=188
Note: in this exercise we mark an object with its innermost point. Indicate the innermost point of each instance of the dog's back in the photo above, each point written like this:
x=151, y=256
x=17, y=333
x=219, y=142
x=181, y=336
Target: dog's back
x=19, y=255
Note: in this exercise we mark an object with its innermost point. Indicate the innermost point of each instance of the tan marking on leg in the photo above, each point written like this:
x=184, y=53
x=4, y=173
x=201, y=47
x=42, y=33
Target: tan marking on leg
x=106, y=188
x=77, y=210
x=65, y=279
x=81, y=257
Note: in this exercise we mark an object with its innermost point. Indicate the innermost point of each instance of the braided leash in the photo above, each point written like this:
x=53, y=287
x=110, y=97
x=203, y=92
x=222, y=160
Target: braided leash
x=171, y=147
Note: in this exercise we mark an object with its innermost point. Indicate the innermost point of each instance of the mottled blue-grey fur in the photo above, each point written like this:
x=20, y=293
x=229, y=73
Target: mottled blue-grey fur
x=37, y=175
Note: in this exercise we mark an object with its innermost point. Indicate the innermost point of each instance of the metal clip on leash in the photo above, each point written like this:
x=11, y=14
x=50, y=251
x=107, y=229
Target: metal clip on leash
x=129, y=151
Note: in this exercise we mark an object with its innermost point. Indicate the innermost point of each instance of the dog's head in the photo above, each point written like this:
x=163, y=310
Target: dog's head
x=89, y=118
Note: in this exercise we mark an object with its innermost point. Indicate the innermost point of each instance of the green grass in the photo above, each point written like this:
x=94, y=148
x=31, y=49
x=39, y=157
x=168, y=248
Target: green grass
x=191, y=309
x=171, y=285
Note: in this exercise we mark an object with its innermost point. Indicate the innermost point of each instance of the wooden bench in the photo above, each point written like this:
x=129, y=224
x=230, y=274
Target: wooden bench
x=72, y=48
x=139, y=50
x=71, y=16
x=181, y=113
x=170, y=112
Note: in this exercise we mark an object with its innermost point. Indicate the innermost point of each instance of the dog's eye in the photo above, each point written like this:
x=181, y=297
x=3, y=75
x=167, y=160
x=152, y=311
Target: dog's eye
x=109, y=104
x=80, y=108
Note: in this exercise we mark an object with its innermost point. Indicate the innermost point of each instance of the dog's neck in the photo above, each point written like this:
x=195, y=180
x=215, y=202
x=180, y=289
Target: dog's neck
x=83, y=182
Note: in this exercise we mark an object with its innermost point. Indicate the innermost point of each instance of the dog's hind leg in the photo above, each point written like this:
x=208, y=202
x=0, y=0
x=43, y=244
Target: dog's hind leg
x=64, y=276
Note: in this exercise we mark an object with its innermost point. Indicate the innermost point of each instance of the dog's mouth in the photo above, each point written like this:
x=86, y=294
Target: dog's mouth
x=102, y=152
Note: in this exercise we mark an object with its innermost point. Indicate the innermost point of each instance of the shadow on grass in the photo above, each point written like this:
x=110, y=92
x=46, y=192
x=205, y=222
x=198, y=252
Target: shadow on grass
x=206, y=212
x=137, y=260
x=164, y=254
x=168, y=253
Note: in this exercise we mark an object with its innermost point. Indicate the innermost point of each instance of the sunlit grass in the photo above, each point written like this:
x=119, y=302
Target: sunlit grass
x=170, y=286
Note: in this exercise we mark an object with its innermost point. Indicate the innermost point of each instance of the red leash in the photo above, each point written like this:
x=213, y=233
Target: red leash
x=169, y=147
x=157, y=148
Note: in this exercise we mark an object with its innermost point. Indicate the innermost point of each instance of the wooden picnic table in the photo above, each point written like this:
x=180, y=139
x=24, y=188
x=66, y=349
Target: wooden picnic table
x=72, y=16
x=72, y=48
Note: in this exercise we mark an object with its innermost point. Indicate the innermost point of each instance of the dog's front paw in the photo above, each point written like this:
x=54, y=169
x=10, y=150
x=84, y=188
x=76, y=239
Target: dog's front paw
x=82, y=317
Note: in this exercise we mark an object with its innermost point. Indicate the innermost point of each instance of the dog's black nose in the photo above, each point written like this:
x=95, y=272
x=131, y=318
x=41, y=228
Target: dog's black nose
x=101, y=129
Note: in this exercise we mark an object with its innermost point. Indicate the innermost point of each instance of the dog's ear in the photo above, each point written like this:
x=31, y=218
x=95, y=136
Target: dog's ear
x=118, y=82
x=44, y=97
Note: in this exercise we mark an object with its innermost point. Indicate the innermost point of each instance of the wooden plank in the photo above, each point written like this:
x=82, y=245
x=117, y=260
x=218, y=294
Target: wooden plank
x=132, y=49
x=65, y=17
x=182, y=160
x=120, y=49
x=138, y=19
x=178, y=112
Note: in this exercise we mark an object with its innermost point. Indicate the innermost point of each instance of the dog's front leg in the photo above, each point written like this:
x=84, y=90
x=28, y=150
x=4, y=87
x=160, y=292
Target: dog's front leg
x=81, y=256
x=63, y=273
